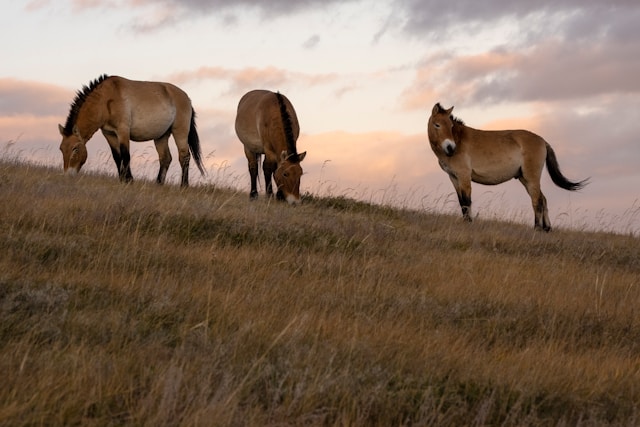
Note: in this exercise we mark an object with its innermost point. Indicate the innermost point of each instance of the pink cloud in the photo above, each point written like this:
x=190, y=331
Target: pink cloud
x=29, y=97
x=252, y=77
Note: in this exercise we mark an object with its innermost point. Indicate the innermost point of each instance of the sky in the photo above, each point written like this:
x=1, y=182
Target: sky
x=363, y=77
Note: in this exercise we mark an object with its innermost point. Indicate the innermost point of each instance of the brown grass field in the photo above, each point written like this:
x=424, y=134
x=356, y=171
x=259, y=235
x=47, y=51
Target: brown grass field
x=146, y=305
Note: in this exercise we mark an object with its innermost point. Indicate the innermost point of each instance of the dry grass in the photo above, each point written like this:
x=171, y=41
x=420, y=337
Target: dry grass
x=145, y=305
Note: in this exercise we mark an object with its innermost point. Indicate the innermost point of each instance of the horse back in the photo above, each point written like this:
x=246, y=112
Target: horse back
x=493, y=142
x=150, y=107
x=259, y=124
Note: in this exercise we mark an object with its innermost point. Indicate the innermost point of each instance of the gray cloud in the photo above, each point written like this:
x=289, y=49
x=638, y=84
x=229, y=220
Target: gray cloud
x=311, y=42
x=566, y=50
x=552, y=72
x=582, y=18
x=159, y=13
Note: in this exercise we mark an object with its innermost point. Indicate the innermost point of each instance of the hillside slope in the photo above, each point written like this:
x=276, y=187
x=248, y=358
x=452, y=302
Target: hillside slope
x=139, y=304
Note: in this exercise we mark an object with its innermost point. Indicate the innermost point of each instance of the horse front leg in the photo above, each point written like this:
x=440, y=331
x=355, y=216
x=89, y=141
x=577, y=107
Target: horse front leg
x=125, y=168
x=252, y=160
x=463, y=190
x=269, y=167
x=121, y=156
x=124, y=171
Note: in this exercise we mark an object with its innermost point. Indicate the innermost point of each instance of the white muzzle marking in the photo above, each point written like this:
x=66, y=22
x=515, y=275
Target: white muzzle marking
x=448, y=146
x=292, y=200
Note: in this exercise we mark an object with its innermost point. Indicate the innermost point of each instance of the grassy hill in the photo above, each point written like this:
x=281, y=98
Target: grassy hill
x=146, y=305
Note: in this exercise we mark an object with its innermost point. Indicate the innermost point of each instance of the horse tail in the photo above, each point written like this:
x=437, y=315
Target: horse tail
x=194, y=142
x=288, y=128
x=556, y=176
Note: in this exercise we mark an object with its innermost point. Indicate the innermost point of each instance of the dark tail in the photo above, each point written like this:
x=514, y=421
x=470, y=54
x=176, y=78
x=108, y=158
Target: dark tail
x=194, y=142
x=556, y=176
x=288, y=128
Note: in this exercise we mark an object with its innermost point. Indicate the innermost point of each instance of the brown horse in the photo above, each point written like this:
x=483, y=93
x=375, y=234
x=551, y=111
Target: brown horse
x=493, y=157
x=267, y=124
x=127, y=110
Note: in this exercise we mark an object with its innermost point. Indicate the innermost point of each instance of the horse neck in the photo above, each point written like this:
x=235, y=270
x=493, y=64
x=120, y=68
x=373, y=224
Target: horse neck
x=458, y=131
x=91, y=115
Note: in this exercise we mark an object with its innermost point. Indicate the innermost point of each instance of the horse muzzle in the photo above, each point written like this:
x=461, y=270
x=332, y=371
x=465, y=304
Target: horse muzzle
x=71, y=171
x=449, y=147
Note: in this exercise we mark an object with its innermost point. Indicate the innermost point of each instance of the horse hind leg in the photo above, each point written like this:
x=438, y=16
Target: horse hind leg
x=184, y=157
x=539, y=204
x=544, y=213
x=164, y=156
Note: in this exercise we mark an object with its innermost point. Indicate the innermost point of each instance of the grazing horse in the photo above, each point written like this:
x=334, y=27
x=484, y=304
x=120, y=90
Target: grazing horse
x=267, y=124
x=127, y=110
x=493, y=157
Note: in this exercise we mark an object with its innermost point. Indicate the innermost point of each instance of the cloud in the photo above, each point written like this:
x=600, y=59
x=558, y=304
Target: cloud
x=311, y=42
x=29, y=116
x=33, y=98
x=267, y=9
x=546, y=72
x=239, y=80
x=578, y=18
x=154, y=14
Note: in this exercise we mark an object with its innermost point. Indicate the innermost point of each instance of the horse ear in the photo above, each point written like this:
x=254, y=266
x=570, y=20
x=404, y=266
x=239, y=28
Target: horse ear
x=283, y=155
x=449, y=111
x=61, y=129
x=301, y=156
x=436, y=109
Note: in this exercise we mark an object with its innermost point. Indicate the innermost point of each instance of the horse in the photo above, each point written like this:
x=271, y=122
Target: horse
x=127, y=110
x=266, y=123
x=493, y=157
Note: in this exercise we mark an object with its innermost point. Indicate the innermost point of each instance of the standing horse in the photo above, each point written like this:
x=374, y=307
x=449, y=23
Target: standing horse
x=493, y=157
x=127, y=110
x=267, y=124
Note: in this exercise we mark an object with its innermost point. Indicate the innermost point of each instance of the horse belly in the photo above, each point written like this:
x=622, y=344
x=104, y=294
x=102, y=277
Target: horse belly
x=151, y=124
x=495, y=174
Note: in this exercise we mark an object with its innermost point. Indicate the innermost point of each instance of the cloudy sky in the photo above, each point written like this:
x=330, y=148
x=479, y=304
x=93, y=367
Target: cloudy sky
x=363, y=77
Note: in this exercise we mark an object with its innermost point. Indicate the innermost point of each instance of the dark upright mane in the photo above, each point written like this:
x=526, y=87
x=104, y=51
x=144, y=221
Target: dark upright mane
x=78, y=101
x=288, y=129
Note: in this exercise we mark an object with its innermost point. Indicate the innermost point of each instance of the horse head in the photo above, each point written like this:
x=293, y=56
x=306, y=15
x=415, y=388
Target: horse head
x=287, y=177
x=440, y=131
x=74, y=150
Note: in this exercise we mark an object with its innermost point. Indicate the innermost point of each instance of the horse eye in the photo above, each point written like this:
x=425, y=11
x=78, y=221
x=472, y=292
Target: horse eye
x=286, y=174
x=436, y=125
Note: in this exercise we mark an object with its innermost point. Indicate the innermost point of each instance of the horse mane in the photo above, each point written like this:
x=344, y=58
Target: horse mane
x=288, y=129
x=78, y=101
